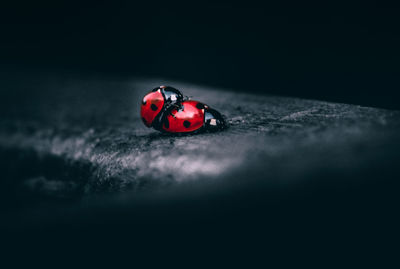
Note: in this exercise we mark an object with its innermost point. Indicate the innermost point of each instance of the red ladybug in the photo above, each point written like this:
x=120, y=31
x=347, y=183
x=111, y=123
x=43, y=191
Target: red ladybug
x=191, y=116
x=156, y=102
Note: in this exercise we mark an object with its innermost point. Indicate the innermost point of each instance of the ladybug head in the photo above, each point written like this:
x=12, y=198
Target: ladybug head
x=152, y=105
x=171, y=95
x=213, y=120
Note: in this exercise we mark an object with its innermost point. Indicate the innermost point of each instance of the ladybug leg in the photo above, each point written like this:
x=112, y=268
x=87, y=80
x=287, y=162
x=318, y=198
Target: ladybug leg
x=176, y=106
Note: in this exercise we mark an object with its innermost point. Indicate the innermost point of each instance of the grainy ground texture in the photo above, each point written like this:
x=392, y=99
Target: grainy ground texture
x=74, y=150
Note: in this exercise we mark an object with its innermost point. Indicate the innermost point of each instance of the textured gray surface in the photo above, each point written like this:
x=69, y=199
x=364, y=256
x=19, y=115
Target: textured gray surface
x=93, y=128
x=73, y=137
x=81, y=174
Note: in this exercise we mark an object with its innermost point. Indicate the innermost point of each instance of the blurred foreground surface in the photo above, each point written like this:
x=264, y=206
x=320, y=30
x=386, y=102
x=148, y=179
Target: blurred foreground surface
x=77, y=159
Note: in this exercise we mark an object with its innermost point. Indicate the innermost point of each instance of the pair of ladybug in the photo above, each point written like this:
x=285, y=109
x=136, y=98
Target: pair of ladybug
x=166, y=110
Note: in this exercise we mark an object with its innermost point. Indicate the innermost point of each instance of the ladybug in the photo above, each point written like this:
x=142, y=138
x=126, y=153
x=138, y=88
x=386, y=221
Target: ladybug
x=156, y=102
x=191, y=116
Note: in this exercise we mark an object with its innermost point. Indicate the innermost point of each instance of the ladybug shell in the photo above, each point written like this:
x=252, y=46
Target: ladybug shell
x=152, y=104
x=184, y=118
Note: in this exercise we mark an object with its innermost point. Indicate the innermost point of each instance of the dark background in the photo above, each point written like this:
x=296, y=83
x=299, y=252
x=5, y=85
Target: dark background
x=338, y=50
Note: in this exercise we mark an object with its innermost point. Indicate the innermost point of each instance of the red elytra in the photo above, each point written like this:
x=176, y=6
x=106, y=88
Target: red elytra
x=188, y=117
x=152, y=104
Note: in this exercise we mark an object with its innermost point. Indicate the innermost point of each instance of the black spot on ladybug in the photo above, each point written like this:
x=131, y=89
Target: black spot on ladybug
x=144, y=120
x=200, y=106
x=166, y=123
x=186, y=124
x=153, y=107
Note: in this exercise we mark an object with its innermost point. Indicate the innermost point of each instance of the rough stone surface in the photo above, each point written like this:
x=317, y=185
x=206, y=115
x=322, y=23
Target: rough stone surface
x=81, y=176
x=67, y=139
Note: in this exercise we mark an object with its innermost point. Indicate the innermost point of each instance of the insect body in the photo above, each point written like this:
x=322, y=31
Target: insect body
x=165, y=110
x=192, y=116
x=157, y=101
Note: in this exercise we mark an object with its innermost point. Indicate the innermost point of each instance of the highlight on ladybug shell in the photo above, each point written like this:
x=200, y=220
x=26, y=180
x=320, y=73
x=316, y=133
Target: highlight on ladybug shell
x=165, y=110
